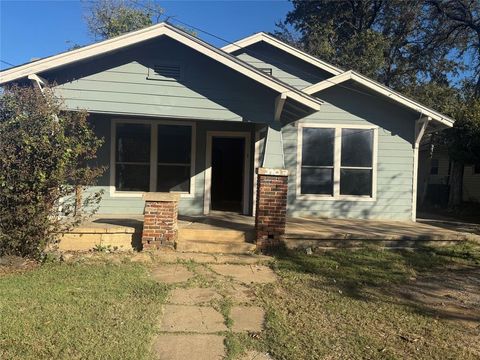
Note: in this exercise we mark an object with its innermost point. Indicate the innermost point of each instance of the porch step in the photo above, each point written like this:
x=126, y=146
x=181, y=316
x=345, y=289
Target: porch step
x=215, y=241
x=229, y=235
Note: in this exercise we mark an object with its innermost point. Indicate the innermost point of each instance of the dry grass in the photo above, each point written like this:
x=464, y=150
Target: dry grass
x=375, y=304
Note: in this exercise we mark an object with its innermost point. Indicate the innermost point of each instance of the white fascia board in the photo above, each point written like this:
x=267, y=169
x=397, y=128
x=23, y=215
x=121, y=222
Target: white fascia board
x=138, y=36
x=381, y=89
x=255, y=38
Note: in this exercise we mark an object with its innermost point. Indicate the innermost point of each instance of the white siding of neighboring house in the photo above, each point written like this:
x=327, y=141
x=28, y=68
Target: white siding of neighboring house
x=471, y=184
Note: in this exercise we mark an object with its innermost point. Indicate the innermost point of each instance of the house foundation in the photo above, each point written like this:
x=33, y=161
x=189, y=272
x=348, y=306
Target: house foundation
x=271, y=207
x=160, y=225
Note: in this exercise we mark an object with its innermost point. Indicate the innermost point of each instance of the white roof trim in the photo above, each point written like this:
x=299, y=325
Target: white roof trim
x=138, y=36
x=261, y=36
x=381, y=89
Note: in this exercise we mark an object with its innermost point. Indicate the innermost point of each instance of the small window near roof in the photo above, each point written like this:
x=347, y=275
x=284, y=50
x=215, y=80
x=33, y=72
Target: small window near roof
x=166, y=72
x=267, y=71
x=434, y=167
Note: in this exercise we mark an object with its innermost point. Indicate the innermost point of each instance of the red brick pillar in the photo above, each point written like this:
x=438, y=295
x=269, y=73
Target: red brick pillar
x=160, y=224
x=271, y=207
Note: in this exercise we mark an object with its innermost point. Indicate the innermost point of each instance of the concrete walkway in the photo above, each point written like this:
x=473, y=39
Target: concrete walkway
x=206, y=303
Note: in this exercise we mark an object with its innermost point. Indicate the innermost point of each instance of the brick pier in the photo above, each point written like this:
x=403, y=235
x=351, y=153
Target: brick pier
x=160, y=224
x=271, y=207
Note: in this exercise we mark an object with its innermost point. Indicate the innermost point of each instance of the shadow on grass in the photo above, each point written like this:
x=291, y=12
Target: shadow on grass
x=430, y=281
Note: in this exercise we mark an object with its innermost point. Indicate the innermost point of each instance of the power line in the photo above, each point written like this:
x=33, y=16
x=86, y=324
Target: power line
x=7, y=63
x=273, y=61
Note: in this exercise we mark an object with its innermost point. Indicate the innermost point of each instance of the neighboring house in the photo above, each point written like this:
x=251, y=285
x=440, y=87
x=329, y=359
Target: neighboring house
x=434, y=177
x=179, y=115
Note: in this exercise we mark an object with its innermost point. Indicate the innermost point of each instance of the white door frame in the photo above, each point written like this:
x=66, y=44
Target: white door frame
x=207, y=198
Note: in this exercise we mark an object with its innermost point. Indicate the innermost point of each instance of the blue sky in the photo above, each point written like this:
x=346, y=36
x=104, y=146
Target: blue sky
x=31, y=29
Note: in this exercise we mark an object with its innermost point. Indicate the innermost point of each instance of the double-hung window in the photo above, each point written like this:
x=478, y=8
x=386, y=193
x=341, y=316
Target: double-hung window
x=152, y=156
x=337, y=162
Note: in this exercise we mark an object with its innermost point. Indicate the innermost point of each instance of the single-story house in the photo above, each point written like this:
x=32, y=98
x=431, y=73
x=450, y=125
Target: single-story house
x=180, y=115
x=434, y=177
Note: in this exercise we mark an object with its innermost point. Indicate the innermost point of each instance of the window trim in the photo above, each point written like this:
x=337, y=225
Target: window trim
x=336, y=163
x=153, y=155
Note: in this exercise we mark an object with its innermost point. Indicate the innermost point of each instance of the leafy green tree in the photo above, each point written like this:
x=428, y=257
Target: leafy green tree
x=456, y=24
x=110, y=18
x=47, y=154
x=463, y=143
x=378, y=38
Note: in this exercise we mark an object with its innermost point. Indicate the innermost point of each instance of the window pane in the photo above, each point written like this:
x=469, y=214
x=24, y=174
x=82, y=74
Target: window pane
x=132, y=177
x=173, y=178
x=357, y=147
x=317, y=181
x=356, y=182
x=174, y=144
x=434, y=167
x=133, y=143
x=317, y=146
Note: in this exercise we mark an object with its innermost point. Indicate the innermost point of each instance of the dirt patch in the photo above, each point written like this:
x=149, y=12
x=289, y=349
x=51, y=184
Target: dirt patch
x=16, y=264
x=452, y=294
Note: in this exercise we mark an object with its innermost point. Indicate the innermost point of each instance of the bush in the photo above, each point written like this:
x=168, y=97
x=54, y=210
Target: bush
x=44, y=163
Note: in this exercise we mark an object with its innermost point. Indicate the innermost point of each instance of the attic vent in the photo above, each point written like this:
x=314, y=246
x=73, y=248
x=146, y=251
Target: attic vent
x=169, y=72
x=267, y=71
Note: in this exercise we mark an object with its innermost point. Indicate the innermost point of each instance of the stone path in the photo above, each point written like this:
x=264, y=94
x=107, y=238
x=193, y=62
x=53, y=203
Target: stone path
x=205, y=303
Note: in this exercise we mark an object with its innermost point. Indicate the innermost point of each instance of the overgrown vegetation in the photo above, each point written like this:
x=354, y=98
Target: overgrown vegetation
x=375, y=304
x=45, y=163
x=79, y=311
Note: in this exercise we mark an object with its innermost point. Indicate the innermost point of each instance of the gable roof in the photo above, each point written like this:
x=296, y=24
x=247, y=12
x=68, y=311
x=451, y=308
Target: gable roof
x=381, y=89
x=151, y=32
x=261, y=36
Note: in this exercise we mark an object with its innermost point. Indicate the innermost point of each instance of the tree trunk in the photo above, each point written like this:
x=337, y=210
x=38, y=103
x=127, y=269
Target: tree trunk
x=456, y=185
x=78, y=200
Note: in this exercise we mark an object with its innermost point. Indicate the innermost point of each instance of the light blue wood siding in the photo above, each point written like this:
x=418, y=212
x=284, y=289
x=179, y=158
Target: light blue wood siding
x=395, y=155
x=353, y=105
x=135, y=205
x=119, y=83
x=284, y=67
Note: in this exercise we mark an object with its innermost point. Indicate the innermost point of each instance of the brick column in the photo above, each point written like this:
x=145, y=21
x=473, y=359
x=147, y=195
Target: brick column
x=271, y=207
x=160, y=224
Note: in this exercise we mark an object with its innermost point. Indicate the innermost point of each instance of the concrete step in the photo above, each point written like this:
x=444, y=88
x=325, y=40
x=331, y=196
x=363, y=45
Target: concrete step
x=213, y=246
x=83, y=240
x=216, y=235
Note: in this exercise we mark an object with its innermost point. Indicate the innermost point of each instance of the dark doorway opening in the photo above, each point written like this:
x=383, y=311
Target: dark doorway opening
x=228, y=155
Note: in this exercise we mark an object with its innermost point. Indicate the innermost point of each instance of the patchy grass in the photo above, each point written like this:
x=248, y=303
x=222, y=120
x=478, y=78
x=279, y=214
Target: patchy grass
x=375, y=304
x=79, y=311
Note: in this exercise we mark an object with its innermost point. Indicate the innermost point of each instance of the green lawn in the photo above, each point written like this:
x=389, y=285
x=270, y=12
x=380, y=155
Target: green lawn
x=375, y=304
x=79, y=311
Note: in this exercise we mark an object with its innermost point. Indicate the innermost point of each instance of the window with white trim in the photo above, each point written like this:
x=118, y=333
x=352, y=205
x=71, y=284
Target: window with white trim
x=173, y=157
x=132, y=157
x=153, y=157
x=337, y=162
x=356, y=165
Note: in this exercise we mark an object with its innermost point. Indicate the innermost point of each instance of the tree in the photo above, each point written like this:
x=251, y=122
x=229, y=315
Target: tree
x=463, y=143
x=382, y=39
x=110, y=18
x=456, y=24
x=46, y=155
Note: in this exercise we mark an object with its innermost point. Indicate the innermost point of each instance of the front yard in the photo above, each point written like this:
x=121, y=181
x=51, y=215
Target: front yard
x=368, y=303
x=79, y=311
x=375, y=304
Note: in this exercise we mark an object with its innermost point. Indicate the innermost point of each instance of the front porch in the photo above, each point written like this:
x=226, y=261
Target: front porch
x=226, y=232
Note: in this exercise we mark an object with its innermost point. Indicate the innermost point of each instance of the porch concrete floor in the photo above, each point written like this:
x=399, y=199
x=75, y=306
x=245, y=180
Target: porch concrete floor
x=297, y=228
x=359, y=229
